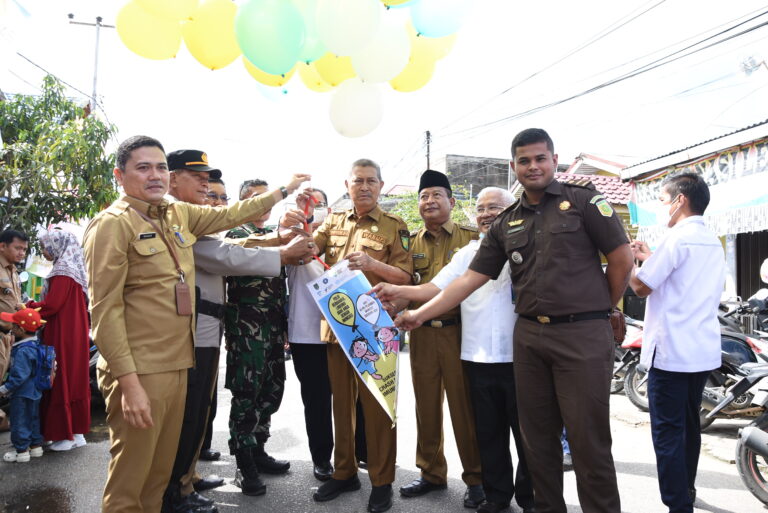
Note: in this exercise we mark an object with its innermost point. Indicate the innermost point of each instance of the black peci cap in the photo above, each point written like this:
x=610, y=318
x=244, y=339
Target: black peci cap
x=434, y=179
x=194, y=160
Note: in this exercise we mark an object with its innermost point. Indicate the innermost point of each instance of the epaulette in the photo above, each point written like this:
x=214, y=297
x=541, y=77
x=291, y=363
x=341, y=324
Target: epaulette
x=117, y=208
x=393, y=216
x=339, y=211
x=468, y=227
x=584, y=183
x=414, y=233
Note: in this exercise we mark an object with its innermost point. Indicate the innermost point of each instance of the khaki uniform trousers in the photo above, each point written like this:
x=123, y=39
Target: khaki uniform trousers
x=437, y=372
x=142, y=459
x=563, y=375
x=381, y=437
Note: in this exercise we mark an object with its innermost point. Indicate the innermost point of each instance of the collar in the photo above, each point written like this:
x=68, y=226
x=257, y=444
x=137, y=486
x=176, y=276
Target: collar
x=33, y=337
x=448, y=226
x=554, y=188
x=374, y=214
x=689, y=220
x=157, y=211
x=5, y=263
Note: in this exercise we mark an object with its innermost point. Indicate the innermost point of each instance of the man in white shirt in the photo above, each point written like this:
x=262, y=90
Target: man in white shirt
x=683, y=280
x=486, y=350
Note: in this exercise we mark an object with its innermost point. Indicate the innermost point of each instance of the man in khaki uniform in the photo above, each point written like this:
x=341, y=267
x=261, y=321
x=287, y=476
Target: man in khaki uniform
x=139, y=257
x=435, y=349
x=13, y=249
x=376, y=243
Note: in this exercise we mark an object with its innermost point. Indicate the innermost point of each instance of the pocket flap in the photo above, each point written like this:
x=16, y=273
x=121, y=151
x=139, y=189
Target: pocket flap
x=567, y=224
x=149, y=247
x=372, y=244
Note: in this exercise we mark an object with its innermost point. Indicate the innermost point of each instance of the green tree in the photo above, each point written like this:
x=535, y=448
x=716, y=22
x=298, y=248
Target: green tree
x=407, y=208
x=53, y=165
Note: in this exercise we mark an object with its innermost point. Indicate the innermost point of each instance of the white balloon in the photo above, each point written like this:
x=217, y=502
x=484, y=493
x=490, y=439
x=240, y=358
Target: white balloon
x=356, y=108
x=386, y=56
x=368, y=308
x=345, y=26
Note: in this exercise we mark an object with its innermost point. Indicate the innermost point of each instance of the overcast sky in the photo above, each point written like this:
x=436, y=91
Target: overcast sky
x=250, y=132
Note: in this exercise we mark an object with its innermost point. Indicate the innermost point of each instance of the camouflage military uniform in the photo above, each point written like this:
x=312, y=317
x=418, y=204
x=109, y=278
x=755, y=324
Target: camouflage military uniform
x=256, y=329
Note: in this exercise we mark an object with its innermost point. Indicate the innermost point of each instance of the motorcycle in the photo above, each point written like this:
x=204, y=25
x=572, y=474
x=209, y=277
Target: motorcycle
x=634, y=330
x=752, y=444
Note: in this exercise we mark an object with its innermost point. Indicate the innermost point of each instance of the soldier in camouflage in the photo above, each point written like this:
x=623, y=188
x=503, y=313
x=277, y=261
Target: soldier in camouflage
x=256, y=330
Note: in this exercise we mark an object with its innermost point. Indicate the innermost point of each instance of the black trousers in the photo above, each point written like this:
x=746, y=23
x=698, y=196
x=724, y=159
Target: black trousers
x=200, y=381
x=310, y=362
x=492, y=391
x=674, y=400
x=208, y=438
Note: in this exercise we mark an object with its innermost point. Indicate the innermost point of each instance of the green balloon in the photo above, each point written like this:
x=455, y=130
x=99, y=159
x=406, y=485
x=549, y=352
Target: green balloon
x=271, y=34
x=313, y=48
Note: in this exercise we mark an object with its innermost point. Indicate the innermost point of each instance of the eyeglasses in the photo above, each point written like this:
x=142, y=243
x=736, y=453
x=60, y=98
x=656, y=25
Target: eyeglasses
x=215, y=197
x=493, y=209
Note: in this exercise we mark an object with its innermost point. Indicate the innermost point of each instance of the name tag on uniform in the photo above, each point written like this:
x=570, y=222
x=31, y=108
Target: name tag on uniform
x=374, y=237
x=419, y=255
x=515, y=230
x=148, y=235
x=340, y=233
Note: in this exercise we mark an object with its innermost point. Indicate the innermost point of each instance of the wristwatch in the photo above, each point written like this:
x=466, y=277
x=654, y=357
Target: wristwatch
x=284, y=191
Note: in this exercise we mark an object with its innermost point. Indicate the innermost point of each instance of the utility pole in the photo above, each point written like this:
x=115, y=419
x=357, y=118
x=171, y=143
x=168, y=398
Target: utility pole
x=428, y=137
x=98, y=25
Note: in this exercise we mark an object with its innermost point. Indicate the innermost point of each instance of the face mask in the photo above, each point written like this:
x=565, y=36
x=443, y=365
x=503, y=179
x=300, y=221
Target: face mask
x=663, y=216
x=320, y=214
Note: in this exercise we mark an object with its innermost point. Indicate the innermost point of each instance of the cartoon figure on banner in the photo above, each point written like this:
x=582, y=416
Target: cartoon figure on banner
x=364, y=353
x=388, y=338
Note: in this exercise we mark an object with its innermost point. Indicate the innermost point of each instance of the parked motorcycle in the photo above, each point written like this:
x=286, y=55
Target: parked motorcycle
x=752, y=445
x=634, y=331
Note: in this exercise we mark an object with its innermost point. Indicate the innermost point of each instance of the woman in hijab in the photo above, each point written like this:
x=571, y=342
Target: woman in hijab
x=65, y=410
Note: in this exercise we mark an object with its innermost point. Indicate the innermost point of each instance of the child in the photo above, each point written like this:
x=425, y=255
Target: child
x=25, y=401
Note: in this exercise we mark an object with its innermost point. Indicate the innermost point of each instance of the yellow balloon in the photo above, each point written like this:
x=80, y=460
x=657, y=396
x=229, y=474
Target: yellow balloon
x=147, y=35
x=416, y=74
x=342, y=309
x=175, y=10
x=439, y=47
x=334, y=69
x=210, y=34
x=394, y=2
x=312, y=78
x=267, y=78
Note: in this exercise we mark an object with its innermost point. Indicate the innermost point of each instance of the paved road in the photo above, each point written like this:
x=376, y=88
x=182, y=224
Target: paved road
x=72, y=482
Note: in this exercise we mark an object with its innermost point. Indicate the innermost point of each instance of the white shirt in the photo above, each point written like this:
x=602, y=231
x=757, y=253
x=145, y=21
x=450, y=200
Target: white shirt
x=303, y=313
x=686, y=274
x=487, y=316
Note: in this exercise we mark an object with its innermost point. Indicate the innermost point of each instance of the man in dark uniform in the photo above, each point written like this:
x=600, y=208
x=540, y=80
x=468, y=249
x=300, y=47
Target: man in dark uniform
x=435, y=349
x=563, y=342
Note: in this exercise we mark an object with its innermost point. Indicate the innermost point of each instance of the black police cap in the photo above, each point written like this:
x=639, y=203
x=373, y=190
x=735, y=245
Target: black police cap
x=434, y=179
x=194, y=160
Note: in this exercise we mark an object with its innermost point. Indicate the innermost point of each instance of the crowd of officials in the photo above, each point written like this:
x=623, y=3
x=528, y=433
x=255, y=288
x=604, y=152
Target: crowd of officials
x=172, y=267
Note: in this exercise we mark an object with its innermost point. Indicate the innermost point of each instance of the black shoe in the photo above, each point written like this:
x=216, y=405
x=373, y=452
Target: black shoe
x=192, y=503
x=419, y=487
x=199, y=500
x=267, y=464
x=335, y=487
x=362, y=464
x=493, y=507
x=567, y=462
x=380, y=499
x=249, y=484
x=529, y=509
x=247, y=475
x=474, y=496
x=323, y=472
x=208, y=483
x=209, y=455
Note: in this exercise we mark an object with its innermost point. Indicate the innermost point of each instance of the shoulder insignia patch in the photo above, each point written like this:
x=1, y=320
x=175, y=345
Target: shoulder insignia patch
x=604, y=208
x=596, y=198
x=516, y=222
x=405, y=240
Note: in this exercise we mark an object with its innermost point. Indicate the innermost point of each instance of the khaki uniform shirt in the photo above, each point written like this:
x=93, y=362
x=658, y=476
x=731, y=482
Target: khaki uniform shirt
x=554, y=250
x=132, y=279
x=10, y=290
x=431, y=254
x=381, y=235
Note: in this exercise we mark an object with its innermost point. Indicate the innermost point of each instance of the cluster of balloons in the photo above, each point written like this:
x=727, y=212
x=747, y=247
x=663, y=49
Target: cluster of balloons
x=350, y=46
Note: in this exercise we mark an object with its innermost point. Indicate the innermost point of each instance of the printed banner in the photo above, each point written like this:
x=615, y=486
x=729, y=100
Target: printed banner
x=363, y=328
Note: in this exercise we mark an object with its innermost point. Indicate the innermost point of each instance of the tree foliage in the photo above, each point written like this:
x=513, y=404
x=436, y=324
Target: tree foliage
x=408, y=208
x=53, y=165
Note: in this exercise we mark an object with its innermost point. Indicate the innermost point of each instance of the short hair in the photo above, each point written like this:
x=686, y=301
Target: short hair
x=366, y=163
x=7, y=236
x=251, y=183
x=325, y=196
x=215, y=180
x=532, y=136
x=133, y=143
x=692, y=186
x=506, y=196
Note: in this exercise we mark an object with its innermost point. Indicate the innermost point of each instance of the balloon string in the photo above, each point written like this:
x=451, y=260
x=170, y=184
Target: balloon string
x=306, y=227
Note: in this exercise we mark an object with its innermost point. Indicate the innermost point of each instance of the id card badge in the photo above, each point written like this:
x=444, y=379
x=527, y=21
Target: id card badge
x=183, y=299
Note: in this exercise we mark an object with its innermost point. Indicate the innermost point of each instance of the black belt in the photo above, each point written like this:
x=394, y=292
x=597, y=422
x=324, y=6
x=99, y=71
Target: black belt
x=558, y=319
x=442, y=324
x=210, y=308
